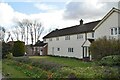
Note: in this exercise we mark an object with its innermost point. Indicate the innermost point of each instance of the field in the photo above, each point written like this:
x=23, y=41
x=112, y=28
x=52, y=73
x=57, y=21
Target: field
x=47, y=67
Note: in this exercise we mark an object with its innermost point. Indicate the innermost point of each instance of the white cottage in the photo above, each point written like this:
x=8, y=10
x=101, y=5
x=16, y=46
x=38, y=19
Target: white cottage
x=75, y=41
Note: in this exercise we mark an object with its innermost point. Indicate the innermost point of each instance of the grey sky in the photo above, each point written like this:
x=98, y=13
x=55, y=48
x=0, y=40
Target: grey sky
x=77, y=10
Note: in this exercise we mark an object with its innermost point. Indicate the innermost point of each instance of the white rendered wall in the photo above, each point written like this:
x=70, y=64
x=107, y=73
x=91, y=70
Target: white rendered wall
x=63, y=44
x=104, y=28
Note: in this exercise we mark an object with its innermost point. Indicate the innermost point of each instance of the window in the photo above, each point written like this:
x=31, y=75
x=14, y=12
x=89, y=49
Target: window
x=119, y=30
x=70, y=49
x=44, y=39
x=67, y=37
x=115, y=31
x=50, y=39
x=92, y=34
x=79, y=36
x=57, y=38
x=112, y=31
x=58, y=49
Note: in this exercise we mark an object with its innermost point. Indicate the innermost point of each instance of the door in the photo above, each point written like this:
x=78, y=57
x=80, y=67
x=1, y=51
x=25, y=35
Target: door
x=86, y=52
x=41, y=51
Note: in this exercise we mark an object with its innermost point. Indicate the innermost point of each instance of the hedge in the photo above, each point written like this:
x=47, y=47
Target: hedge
x=104, y=47
x=18, y=49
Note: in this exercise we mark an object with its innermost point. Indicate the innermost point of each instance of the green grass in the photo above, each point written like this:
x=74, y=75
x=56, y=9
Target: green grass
x=10, y=71
x=65, y=61
x=0, y=66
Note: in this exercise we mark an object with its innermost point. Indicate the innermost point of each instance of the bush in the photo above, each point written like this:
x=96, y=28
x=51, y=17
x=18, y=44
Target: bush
x=104, y=47
x=113, y=60
x=9, y=56
x=18, y=49
x=6, y=48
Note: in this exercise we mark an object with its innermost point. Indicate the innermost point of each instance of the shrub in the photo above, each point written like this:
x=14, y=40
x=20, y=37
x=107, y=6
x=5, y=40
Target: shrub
x=43, y=64
x=113, y=60
x=18, y=49
x=6, y=48
x=104, y=47
x=9, y=56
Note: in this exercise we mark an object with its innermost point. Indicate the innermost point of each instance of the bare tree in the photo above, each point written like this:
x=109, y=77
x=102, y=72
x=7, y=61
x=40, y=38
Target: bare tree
x=9, y=36
x=2, y=32
x=29, y=29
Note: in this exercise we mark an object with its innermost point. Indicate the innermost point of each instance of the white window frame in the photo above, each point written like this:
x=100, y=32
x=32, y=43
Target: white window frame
x=50, y=39
x=67, y=37
x=79, y=36
x=57, y=39
x=93, y=35
x=70, y=50
x=112, y=31
x=58, y=49
x=116, y=31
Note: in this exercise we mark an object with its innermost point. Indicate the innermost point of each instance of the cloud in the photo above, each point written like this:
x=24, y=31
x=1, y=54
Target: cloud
x=86, y=10
x=6, y=14
x=45, y=7
x=50, y=20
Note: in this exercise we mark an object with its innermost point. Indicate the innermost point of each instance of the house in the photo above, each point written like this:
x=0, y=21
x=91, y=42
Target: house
x=38, y=49
x=75, y=41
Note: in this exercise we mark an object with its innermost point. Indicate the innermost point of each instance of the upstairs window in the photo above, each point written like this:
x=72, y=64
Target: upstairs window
x=57, y=38
x=92, y=34
x=50, y=39
x=67, y=37
x=119, y=30
x=115, y=31
x=44, y=39
x=112, y=31
x=79, y=36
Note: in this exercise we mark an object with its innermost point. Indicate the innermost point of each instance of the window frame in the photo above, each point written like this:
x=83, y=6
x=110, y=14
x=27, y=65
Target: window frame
x=93, y=35
x=58, y=49
x=71, y=50
x=57, y=39
x=67, y=37
x=116, y=31
x=79, y=36
x=112, y=31
x=50, y=39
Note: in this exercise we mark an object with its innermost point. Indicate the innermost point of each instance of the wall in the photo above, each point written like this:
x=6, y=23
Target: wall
x=105, y=27
x=64, y=45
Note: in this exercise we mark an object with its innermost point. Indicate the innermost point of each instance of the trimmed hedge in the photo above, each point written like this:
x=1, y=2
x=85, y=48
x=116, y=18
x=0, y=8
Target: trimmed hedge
x=113, y=60
x=104, y=47
x=18, y=49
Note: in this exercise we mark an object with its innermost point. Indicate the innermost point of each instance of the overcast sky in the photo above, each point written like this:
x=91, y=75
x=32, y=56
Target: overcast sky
x=53, y=13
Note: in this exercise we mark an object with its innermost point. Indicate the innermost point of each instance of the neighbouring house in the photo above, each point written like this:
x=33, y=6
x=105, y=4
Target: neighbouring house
x=38, y=49
x=29, y=50
x=75, y=41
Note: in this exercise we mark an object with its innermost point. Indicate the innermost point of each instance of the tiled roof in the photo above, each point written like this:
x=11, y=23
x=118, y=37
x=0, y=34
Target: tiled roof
x=88, y=27
x=40, y=44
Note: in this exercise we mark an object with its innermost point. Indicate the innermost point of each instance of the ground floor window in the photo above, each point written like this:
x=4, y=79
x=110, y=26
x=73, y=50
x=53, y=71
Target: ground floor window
x=70, y=49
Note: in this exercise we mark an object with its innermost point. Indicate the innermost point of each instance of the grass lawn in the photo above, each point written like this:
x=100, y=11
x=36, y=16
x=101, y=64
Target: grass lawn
x=10, y=71
x=65, y=61
x=48, y=67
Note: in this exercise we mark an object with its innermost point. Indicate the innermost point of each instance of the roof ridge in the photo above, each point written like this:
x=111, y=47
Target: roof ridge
x=78, y=25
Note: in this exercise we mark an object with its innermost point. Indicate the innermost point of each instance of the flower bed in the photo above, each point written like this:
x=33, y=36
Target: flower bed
x=46, y=69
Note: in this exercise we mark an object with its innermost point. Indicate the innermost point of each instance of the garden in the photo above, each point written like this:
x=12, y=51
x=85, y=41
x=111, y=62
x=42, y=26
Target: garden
x=45, y=68
x=103, y=66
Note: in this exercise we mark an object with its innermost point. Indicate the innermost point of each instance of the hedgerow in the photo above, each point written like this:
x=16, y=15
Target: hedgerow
x=104, y=47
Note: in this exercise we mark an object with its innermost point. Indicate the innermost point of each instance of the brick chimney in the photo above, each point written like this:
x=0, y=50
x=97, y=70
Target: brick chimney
x=81, y=22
